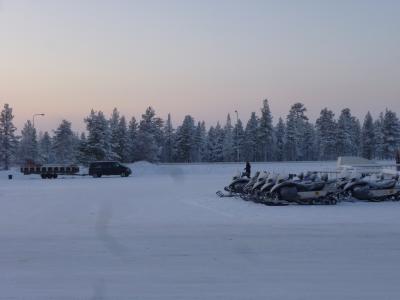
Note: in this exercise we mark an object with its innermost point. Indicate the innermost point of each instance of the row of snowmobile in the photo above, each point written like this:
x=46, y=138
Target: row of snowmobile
x=312, y=188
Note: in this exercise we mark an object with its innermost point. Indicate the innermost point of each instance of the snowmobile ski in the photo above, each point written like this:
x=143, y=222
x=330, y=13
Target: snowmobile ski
x=222, y=195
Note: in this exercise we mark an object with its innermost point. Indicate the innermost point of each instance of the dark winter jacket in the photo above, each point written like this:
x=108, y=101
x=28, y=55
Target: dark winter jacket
x=248, y=169
x=398, y=159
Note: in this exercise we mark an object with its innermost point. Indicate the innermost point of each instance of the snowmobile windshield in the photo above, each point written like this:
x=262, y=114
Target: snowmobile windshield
x=255, y=177
x=355, y=176
x=237, y=176
x=262, y=176
x=282, y=178
x=272, y=177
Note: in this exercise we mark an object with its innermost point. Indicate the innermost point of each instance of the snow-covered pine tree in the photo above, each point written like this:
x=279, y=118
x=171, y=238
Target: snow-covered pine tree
x=200, y=140
x=114, y=133
x=98, y=139
x=280, y=140
x=345, y=134
x=227, y=145
x=81, y=151
x=76, y=140
x=265, y=134
x=118, y=136
x=250, y=142
x=185, y=140
x=305, y=136
x=219, y=154
x=150, y=137
x=391, y=134
x=46, y=154
x=290, y=138
x=309, y=142
x=215, y=139
x=368, y=137
x=238, y=140
x=378, y=136
x=296, y=122
x=212, y=145
x=28, y=146
x=169, y=141
x=356, y=135
x=132, y=140
x=326, y=128
x=64, y=143
x=8, y=138
x=122, y=137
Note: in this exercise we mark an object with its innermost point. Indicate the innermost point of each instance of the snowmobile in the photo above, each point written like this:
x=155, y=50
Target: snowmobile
x=341, y=182
x=267, y=197
x=310, y=190
x=374, y=189
x=236, y=186
x=253, y=194
x=266, y=188
x=248, y=187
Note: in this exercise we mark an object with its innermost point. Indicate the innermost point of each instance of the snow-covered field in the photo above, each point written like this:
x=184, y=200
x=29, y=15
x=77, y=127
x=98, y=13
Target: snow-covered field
x=163, y=234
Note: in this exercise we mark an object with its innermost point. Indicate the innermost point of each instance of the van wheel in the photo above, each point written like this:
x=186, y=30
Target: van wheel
x=124, y=174
x=43, y=176
x=98, y=175
x=55, y=176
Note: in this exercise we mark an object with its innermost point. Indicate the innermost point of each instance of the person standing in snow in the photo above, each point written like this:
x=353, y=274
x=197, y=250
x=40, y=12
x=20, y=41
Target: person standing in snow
x=247, y=170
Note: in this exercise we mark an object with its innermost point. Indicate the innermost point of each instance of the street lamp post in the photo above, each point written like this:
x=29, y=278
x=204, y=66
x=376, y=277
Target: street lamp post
x=237, y=136
x=33, y=118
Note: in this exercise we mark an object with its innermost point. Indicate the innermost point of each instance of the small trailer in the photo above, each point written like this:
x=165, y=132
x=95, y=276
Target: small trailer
x=50, y=170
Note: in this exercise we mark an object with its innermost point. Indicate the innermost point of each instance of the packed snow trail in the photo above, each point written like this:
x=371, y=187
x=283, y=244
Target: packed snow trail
x=163, y=234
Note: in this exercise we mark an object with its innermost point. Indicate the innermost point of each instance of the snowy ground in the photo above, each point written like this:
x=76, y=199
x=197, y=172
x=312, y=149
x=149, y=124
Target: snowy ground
x=163, y=234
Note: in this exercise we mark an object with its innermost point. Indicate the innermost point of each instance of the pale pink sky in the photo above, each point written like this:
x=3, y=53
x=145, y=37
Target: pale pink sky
x=204, y=58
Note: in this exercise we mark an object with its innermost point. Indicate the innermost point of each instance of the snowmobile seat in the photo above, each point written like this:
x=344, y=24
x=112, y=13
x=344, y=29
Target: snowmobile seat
x=382, y=185
x=309, y=187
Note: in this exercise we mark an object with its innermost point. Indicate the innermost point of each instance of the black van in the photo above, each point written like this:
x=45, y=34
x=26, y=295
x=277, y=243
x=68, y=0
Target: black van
x=100, y=168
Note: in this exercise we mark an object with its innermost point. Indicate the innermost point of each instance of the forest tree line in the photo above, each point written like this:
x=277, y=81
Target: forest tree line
x=156, y=140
